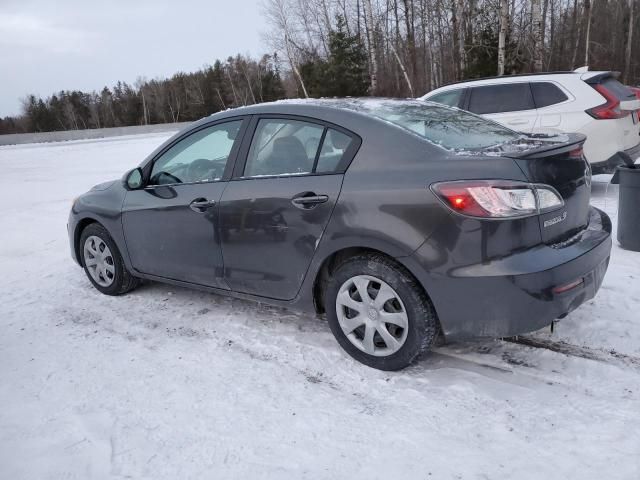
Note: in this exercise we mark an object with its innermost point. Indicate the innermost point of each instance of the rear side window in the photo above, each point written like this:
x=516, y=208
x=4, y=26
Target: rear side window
x=334, y=148
x=545, y=94
x=621, y=92
x=511, y=97
x=294, y=147
x=450, y=98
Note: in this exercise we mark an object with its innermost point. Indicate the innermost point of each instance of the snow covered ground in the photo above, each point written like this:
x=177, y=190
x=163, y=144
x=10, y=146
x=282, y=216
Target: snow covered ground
x=167, y=383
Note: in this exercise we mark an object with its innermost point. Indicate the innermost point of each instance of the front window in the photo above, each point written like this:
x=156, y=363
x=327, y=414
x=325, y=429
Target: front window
x=450, y=98
x=200, y=157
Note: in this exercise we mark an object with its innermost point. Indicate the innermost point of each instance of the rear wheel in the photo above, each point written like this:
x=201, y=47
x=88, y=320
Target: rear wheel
x=378, y=312
x=103, y=263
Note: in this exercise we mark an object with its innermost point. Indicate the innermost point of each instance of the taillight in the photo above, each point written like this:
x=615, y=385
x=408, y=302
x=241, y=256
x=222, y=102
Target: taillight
x=636, y=90
x=609, y=110
x=497, y=198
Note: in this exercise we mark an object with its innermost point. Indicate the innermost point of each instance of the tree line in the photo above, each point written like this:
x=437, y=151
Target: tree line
x=395, y=48
x=183, y=97
x=414, y=46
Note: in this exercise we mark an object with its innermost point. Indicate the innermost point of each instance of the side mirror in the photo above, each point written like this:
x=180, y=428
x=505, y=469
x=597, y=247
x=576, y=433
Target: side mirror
x=133, y=179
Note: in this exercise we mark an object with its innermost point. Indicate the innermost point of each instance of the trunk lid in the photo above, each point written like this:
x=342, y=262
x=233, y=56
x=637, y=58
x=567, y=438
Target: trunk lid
x=558, y=161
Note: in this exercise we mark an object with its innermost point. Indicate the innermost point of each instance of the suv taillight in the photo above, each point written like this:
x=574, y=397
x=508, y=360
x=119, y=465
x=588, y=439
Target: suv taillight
x=636, y=90
x=609, y=110
x=497, y=198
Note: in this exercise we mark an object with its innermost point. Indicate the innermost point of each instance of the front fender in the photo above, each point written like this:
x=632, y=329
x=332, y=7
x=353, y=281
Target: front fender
x=100, y=205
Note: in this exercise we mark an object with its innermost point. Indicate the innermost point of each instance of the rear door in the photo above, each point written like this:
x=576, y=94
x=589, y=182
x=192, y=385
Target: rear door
x=274, y=211
x=550, y=101
x=510, y=104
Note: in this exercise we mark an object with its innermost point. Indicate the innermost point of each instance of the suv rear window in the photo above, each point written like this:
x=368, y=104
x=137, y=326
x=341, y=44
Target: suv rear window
x=508, y=97
x=546, y=93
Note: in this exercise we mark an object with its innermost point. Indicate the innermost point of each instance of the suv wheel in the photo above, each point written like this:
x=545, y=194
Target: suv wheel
x=378, y=312
x=103, y=263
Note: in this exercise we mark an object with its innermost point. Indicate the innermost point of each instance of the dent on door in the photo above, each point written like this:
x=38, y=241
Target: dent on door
x=171, y=232
x=270, y=229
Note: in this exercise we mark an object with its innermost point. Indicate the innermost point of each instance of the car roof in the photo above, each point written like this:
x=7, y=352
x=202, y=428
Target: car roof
x=349, y=112
x=351, y=104
x=580, y=73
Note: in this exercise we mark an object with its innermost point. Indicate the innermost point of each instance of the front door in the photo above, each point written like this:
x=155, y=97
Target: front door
x=171, y=226
x=273, y=215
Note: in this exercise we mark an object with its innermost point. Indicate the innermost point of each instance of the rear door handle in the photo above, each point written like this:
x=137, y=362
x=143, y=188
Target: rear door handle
x=309, y=200
x=200, y=205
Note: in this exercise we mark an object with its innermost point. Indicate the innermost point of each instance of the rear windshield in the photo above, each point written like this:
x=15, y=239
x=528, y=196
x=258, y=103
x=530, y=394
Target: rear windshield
x=450, y=128
x=621, y=92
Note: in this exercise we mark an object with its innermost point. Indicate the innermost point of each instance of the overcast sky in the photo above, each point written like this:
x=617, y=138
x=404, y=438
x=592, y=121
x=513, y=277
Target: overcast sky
x=52, y=45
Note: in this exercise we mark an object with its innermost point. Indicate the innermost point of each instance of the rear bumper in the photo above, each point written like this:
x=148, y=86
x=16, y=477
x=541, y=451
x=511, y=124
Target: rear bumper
x=514, y=295
x=618, y=158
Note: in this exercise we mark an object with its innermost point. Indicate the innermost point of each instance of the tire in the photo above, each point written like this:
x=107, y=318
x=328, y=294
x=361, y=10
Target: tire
x=377, y=271
x=117, y=280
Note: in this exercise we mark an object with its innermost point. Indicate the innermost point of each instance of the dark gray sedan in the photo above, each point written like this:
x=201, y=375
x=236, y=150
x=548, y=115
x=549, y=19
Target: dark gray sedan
x=398, y=219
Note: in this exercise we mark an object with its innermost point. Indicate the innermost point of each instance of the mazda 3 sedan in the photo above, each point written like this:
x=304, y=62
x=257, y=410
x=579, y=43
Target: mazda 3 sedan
x=400, y=220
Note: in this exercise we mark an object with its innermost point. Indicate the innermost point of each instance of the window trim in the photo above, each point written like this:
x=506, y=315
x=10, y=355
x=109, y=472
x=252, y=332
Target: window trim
x=233, y=154
x=241, y=160
x=501, y=84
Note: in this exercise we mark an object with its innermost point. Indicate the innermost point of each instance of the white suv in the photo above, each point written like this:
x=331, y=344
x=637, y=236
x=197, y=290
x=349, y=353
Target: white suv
x=593, y=103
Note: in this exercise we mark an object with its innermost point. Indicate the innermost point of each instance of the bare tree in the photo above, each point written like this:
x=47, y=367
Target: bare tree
x=627, y=57
x=277, y=13
x=371, y=44
x=587, y=9
x=502, y=34
x=538, y=42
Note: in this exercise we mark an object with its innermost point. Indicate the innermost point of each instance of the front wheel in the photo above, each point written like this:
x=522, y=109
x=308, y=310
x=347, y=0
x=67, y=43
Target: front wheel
x=103, y=263
x=378, y=312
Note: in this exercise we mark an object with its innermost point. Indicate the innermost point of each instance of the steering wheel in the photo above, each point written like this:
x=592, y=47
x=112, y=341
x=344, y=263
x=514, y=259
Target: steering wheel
x=201, y=169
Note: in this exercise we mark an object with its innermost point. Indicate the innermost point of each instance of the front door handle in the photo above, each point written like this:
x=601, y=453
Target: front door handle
x=200, y=205
x=309, y=200
x=518, y=122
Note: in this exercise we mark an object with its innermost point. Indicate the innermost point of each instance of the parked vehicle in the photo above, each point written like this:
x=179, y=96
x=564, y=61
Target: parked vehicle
x=593, y=103
x=398, y=219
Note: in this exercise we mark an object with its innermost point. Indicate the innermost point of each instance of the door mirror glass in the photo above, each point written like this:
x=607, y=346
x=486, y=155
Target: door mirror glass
x=133, y=179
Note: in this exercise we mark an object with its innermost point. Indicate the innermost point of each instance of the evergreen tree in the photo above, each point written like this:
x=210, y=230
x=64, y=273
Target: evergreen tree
x=346, y=73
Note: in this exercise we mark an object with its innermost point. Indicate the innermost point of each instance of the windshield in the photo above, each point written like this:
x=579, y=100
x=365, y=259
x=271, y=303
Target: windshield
x=450, y=128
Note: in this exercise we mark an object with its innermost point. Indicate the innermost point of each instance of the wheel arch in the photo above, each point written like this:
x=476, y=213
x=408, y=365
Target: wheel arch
x=80, y=226
x=334, y=259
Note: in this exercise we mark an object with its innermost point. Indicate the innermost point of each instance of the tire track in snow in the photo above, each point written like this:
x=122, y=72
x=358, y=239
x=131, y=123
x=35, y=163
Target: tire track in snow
x=599, y=355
